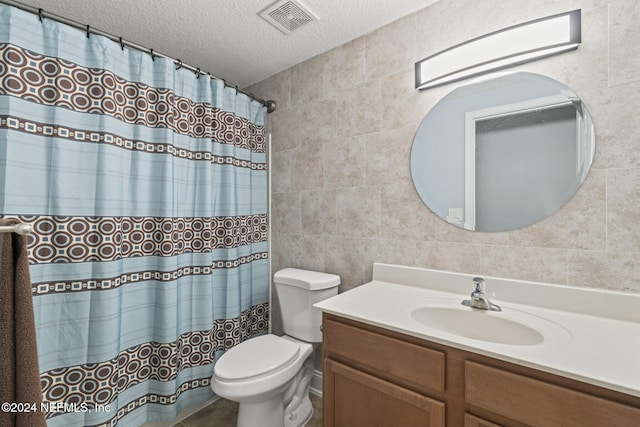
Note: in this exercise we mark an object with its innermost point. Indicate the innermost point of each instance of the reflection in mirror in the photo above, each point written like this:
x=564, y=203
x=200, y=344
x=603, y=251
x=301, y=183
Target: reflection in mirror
x=502, y=153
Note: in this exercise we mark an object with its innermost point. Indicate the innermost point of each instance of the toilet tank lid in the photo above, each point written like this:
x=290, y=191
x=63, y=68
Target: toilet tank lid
x=311, y=280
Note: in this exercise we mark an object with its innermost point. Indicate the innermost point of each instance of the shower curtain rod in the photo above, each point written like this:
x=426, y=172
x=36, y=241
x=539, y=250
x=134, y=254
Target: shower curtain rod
x=20, y=228
x=42, y=14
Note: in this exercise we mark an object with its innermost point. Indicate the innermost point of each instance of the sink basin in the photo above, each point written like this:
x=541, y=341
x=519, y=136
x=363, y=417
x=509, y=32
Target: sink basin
x=510, y=326
x=479, y=325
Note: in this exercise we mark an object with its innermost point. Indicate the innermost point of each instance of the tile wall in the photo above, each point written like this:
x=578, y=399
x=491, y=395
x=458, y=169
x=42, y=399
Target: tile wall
x=341, y=138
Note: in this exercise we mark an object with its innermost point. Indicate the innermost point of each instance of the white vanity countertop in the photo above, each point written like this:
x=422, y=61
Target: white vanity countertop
x=598, y=342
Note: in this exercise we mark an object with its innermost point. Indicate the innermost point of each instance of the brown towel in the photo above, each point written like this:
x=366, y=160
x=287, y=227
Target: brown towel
x=19, y=373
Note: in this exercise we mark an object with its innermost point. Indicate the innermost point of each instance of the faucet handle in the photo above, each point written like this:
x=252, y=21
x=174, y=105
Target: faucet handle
x=478, y=284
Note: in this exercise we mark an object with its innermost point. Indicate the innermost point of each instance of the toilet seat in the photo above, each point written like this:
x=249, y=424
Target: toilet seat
x=256, y=357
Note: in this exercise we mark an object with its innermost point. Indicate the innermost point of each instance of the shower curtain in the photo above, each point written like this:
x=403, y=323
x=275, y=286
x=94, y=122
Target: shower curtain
x=146, y=188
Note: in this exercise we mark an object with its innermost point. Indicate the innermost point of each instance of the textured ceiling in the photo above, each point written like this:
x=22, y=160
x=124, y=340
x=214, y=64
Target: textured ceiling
x=227, y=37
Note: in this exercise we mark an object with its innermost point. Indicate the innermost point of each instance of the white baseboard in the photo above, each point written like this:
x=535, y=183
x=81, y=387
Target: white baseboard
x=316, y=383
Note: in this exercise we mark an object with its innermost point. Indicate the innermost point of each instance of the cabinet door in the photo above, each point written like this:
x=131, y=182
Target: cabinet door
x=473, y=421
x=355, y=399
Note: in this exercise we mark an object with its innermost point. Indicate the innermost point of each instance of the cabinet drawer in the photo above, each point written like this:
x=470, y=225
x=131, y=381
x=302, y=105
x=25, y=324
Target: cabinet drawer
x=538, y=403
x=404, y=363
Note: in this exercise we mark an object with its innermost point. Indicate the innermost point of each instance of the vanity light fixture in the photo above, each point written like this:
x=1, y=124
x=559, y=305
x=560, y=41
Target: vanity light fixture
x=500, y=49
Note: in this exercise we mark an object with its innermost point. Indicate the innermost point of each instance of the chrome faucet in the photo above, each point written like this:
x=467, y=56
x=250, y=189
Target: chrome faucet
x=479, y=297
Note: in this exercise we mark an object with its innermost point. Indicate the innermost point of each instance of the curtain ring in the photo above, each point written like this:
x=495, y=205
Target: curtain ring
x=179, y=64
x=40, y=15
x=121, y=44
x=198, y=73
x=88, y=31
x=153, y=56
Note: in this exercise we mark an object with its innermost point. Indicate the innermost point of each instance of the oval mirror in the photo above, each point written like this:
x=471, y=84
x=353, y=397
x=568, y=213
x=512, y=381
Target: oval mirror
x=503, y=152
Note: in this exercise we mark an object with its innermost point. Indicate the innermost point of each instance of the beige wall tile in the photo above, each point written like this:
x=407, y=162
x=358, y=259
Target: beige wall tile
x=386, y=156
x=499, y=14
x=607, y=270
x=401, y=252
x=284, y=125
x=344, y=162
x=345, y=67
x=458, y=257
x=402, y=105
x=318, y=122
x=278, y=88
x=617, y=129
x=391, y=48
x=536, y=264
x=403, y=214
x=342, y=134
x=358, y=212
x=447, y=23
x=319, y=212
x=286, y=216
x=345, y=257
x=281, y=163
x=359, y=109
x=588, y=4
x=623, y=210
x=309, y=253
x=307, y=171
x=307, y=82
x=624, y=41
x=446, y=232
x=298, y=251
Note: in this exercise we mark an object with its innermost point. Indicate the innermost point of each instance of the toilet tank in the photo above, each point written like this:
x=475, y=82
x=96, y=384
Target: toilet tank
x=297, y=291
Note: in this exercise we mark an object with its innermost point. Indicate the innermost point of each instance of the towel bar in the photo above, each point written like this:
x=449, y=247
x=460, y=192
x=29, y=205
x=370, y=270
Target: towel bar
x=20, y=228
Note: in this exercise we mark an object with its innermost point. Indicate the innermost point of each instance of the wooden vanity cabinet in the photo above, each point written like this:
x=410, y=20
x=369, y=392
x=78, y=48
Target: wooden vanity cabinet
x=378, y=377
x=371, y=377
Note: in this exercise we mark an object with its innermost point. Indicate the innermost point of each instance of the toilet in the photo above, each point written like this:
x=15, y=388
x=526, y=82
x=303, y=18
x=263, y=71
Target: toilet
x=269, y=376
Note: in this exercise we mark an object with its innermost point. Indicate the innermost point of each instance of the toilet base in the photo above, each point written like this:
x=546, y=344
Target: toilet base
x=301, y=416
x=297, y=404
x=269, y=413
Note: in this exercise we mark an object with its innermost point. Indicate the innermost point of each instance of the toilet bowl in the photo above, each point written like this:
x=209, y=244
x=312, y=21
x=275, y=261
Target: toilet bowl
x=263, y=377
x=270, y=375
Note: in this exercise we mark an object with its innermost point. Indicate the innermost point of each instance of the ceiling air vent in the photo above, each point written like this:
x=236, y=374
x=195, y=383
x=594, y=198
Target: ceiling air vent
x=288, y=15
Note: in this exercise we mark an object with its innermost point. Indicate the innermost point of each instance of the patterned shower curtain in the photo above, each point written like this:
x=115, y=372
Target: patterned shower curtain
x=146, y=188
